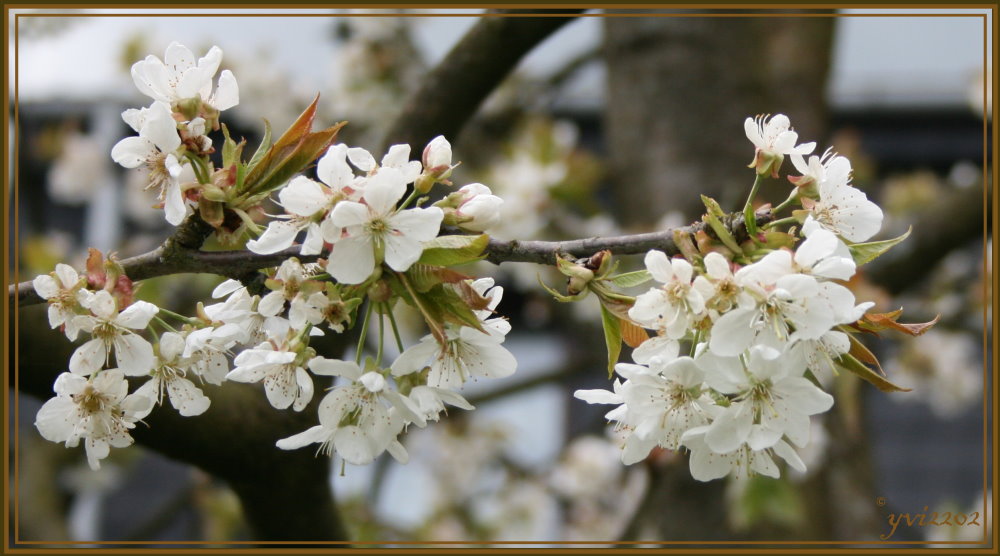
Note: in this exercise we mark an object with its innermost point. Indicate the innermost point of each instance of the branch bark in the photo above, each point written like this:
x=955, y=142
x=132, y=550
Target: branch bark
x=237, y=264
x=451, y=93
x=953, y=222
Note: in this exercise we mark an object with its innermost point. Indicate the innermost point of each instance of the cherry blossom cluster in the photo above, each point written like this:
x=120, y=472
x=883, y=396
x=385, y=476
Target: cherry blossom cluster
x=376, y=250
x=767, y=323
x=750, y=322
x=172, y=130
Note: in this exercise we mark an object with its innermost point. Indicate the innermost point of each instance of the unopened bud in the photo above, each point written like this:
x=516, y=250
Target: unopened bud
x=437, y=156
x=579, y=275
x=600, y=262
x=479, y=209
x=213, y=192
x=379, y=292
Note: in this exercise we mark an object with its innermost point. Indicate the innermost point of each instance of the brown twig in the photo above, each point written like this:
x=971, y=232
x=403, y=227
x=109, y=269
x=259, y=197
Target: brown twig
x=237, y=264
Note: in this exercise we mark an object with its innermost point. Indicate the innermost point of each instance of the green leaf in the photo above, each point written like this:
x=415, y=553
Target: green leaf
x=750, y=220
x=631, y=279
x=612, y=337
x=424, y=277
x=444, y=304
x=241, y=176
x=618, y=307
x=262, y=149
x=229, y=152
x=714, y=218
x=849, y=363
x=454, y=250
x=867, y=252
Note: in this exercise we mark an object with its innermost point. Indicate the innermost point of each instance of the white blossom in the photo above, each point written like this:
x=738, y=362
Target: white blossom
x=65, y=294
x=178, y=77
x=787, y=306
x=113, y=330
x=354, y=420
x=155, y=148
x=845, y=210
x=656, y=405
x=170, y=375
x=771, y=399
x=208, y=347
x=773, y=139
x=672, y=307
x=375, y=231
x=706, y=464
x=307, y=204
x=99, y=411
x=437, y=157
x=282, y=371
x=467, y=353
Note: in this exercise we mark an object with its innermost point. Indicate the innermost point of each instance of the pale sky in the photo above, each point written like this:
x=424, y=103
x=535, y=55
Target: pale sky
x=900, y=60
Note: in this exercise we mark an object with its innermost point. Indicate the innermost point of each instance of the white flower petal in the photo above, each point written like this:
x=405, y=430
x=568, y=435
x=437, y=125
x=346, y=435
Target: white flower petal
x=319, y=433
x=352, y=260
x=349, y=213
x=421, y=224
x=132, y=152
x=361, y=159
x=46, y=286
x=134, y=354
x=279, y=235
x=137, y=315
x=88, y=358
x=187, y=398
x=383, y=191
x=227, y=95
x=598, y=397
x=354, y=446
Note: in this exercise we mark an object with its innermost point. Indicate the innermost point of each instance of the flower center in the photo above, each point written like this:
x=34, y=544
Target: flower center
x=91, y=400
x=105, y=331
x=378, y=227
x=159, y=176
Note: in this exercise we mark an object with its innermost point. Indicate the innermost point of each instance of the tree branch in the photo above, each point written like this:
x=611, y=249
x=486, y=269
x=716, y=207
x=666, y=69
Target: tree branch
x=237, y=264
x=953, y=222
x=452, y=91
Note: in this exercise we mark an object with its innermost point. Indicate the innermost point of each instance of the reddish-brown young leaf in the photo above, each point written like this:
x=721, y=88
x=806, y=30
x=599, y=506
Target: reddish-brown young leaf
x=863, y=354
x=876, y=322
x=632, y=334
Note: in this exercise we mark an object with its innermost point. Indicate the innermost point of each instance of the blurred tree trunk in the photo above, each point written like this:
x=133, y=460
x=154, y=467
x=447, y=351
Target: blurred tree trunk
x=679, y=89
